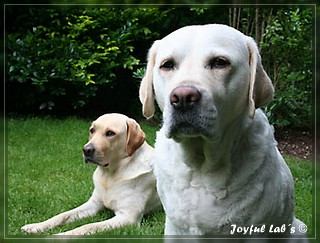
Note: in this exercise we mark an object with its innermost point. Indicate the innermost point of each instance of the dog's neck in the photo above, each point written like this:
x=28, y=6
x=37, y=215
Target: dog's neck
x=205, y=155
x=213, y=154
x=139, y=159
x=213, y=157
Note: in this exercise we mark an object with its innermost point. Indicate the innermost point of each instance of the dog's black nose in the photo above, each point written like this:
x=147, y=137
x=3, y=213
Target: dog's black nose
x=184, y=97
x=88, y=150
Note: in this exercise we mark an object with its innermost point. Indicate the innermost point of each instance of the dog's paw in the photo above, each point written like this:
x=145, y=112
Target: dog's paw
x=33, y=228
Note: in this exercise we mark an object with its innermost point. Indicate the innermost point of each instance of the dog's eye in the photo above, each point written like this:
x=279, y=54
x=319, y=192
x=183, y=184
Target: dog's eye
x=218, y=62
x=110, y=133
x=92, y=130
x=167, y=65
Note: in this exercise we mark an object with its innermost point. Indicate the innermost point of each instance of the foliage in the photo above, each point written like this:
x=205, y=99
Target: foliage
x=284, y=38
x=287, y=54
x=73, y=51
x=77, y=58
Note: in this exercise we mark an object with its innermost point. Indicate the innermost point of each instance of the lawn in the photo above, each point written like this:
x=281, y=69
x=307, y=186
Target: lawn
x=46, y=175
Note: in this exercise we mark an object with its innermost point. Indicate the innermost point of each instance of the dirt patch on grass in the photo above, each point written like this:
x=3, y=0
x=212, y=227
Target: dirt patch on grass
x=295, y=142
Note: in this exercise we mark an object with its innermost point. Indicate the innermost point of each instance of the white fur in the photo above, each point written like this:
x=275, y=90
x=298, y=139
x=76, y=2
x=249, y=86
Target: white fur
x=251, y=187
x=216, y=164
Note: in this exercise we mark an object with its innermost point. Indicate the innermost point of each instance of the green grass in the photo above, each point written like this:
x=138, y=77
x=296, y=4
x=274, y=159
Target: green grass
x=46, y=176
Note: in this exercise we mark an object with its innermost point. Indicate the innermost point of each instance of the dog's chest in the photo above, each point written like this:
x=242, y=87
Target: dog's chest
x=191, y=205
x=191, y=200
x=107, y=187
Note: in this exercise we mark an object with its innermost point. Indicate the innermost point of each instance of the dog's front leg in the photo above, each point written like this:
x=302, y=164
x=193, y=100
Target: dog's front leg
x=90, y=208
x=120, y=220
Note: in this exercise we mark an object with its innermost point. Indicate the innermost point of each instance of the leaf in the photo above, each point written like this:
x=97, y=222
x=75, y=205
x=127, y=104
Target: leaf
x=50, y=103
x=113, y=48
x=35, y=73
x=35, y=80
x=42, y=106
x=146, y=31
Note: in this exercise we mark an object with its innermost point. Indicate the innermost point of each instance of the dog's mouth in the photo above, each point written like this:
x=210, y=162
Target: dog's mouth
x=189, y=125
x=183, y=129
x=92, y=161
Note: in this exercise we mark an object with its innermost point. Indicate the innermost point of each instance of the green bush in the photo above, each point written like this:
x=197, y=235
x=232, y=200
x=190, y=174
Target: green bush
x=287, y=55
x=68, y=58
x=74, y=51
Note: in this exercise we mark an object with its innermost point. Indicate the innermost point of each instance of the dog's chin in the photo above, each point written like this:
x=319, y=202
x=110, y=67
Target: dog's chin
x=94, y=162
x=180, y=132
x=194, y=123
x=188, y=128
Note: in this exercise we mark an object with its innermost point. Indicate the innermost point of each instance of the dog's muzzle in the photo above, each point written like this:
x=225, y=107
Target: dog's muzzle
x=189, y=113
x=184, y=98
x=184, y=118
x=88, y=150
x=88, y=153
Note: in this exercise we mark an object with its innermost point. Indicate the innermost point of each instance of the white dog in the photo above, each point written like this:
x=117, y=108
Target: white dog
x=124, y=180
x=216, y=161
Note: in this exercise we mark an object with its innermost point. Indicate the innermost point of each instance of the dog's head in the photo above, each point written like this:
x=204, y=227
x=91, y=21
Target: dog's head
x=112, y=137
x=204, y=78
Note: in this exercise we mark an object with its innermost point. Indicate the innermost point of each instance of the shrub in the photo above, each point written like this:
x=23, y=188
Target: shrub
x=65, y=58
x=287, y=56
x=74, y=51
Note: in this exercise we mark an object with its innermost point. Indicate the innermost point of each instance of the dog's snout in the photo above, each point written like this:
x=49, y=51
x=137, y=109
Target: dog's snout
x=88, y=150
x=183, y=98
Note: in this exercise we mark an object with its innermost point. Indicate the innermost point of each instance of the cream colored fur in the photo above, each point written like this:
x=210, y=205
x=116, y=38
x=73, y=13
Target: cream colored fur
x=123, y=181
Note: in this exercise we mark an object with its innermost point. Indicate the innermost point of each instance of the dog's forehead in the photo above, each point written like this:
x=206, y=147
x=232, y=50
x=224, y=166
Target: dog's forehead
x=112, y=120
x=203, y=37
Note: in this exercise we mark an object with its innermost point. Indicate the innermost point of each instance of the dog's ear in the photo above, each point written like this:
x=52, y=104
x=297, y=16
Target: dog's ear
x=135, y=136
x=261, y=90
x=146, y=92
